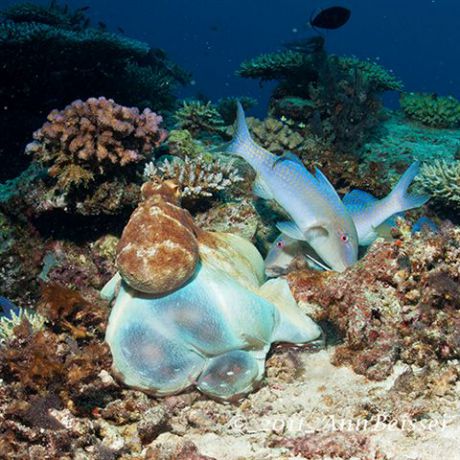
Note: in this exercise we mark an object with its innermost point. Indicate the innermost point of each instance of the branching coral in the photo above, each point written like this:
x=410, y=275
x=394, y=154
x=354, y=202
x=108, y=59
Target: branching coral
x=401, y=301
x=441, y=179
x=431, y=110
x=87, y=139
x=196, y=117
x=90, y=143
x=14, y=319
x=197, y=178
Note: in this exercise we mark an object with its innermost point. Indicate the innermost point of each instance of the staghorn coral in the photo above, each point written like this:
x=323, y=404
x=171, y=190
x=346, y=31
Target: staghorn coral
x=198, y=117
x=197, y=178
x=401, y=301
x=89, y=144
x=431, y=109
x=441, y=179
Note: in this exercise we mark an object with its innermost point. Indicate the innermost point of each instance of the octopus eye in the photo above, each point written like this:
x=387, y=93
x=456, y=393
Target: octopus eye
x=280, y=244
x=344, y=238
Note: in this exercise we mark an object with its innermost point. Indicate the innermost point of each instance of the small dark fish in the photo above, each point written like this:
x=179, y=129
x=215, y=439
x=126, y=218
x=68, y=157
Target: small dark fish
x=121, y=30
x=214, y=28
x=331, y=18
x=309, y=45
x=82, y=9
x=102, y=26
x=7, y=307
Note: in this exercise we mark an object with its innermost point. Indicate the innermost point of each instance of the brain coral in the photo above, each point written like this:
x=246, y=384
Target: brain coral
x=431, y=110
x=441, y=179
x=89, y=139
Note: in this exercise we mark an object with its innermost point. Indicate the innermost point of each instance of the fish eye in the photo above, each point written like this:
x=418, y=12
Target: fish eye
x=280, y=244
x=344, y=237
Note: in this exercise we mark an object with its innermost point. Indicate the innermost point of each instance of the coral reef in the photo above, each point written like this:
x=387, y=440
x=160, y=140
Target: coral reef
x=431, y=110
x=90, y=144
x=399, y=302
x=335, y=98
x=198, y=179
x=198, y=117
x=51, y=52
x=441, y=179
x=158, y=250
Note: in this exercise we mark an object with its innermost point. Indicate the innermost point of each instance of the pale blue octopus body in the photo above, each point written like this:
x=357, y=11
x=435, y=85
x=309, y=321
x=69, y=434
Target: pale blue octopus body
x=214, y=332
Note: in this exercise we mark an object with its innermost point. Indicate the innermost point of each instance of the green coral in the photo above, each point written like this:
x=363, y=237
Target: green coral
x=431, y=110
x=182, y=144
x=441, y=179
x=197, y=117
x=378, y=77
x=8, y=323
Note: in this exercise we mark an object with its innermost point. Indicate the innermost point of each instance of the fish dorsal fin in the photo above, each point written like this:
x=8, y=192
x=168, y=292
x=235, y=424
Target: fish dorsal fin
x=291, y=230
x=288, y=156
x=326, y=186
x=261, y=189
x=355, y=197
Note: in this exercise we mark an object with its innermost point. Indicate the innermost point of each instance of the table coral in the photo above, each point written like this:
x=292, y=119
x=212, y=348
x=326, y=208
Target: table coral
x=399, y=302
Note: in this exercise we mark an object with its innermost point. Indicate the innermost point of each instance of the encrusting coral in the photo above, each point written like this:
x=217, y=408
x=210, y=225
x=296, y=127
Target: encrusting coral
x=431, y=110
x=399, y=302
x=92, y=143
x=197, y=178
x=441, y=179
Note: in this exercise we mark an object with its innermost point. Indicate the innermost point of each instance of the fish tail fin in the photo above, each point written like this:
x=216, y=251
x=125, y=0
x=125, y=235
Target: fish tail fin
x=400, y=199
x=242, y=140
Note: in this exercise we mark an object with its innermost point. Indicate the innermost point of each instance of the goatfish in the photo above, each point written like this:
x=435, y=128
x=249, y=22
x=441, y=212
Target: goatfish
x=367, y=211
x=318, y=215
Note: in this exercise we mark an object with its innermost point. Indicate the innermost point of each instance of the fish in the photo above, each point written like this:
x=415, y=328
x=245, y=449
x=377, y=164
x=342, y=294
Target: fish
x=368, y=213
x=318, y=215
x=331, y=18
x=287, y=254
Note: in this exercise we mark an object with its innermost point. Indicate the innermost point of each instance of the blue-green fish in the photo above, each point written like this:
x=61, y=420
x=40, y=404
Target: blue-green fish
x=318, y=215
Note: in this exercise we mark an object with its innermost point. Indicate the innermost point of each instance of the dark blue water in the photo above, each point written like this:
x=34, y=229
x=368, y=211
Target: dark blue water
x=417, y=39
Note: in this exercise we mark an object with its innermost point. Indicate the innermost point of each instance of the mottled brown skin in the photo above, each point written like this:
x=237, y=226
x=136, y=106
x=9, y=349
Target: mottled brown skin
x=158, y=249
